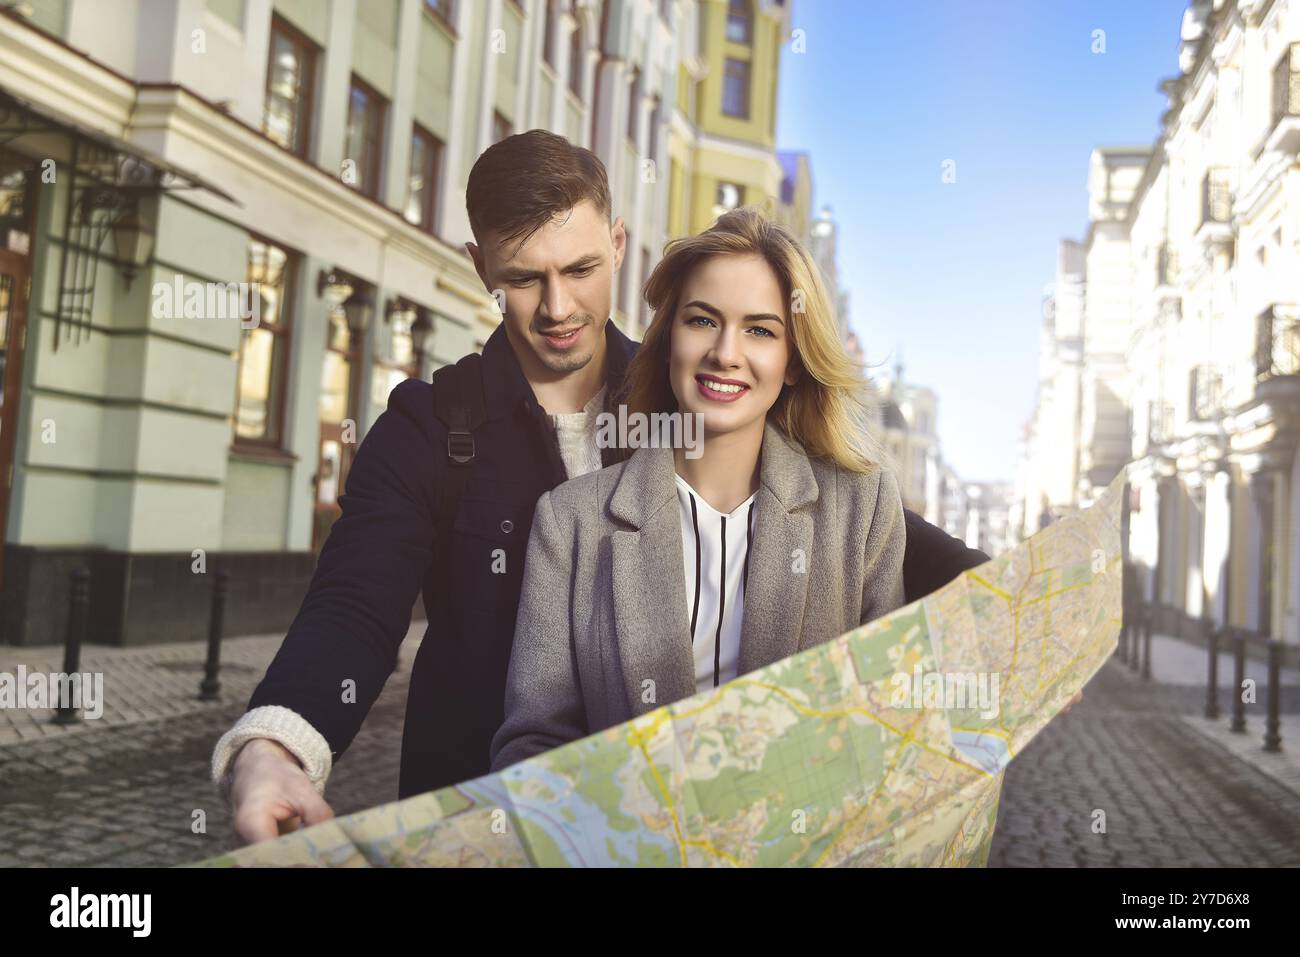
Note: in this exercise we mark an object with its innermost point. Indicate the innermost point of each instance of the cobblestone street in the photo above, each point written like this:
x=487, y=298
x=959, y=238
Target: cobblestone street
x=124, y=794
x=1171, y=796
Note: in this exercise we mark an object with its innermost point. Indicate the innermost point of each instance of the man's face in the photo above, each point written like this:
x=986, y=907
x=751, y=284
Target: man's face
x=557, y=288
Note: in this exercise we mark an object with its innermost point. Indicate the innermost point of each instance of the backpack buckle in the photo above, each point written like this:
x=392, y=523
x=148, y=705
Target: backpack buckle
x=460, y=447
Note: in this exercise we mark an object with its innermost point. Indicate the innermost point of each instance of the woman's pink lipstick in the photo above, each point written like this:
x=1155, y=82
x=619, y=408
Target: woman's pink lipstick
x=713, y=396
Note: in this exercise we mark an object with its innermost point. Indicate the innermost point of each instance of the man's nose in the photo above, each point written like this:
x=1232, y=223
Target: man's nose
x=558, y=302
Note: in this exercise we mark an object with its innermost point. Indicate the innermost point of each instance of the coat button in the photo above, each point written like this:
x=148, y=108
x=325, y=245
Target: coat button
x=507, y=526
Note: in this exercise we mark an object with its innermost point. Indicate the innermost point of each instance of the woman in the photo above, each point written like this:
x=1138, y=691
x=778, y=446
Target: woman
x=673, y=571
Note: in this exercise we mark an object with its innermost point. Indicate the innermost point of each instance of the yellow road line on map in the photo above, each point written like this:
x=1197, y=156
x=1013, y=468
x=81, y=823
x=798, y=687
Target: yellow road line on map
x=902, y=745
x=1047, y=619
x=1005, y=596
x=813, y=713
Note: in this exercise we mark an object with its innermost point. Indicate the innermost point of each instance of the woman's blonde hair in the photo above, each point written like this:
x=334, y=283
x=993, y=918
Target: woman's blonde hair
x=826, y=410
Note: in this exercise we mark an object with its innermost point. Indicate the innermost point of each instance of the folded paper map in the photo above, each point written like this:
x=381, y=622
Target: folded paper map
x=884, y=746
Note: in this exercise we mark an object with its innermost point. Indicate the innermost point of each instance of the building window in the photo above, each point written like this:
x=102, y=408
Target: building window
x=645, y=274
x=1286, y=84
x=652, y=144
x=728, y=196
x=740, y=22
x=548, y=35
x=625, y=279
x=576, y=52
x=444, y=10
x=402, y=363
x=500, y=127
x=422, y=182
x=633, y=105
x=364, y=146
x=735, y=89
x=264, y=349
x=290, y=75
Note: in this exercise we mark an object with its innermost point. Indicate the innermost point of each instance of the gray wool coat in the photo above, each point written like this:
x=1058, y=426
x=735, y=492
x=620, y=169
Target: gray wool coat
x=604, y=608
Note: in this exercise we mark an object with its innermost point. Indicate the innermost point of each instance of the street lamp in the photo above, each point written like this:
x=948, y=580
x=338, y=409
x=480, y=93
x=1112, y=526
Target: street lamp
x=133, y=232
x=332, y=286
x=358, y=308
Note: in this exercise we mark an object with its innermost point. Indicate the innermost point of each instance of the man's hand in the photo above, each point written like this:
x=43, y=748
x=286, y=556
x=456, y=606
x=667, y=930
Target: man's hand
x=268, y=788
x=1072, y=702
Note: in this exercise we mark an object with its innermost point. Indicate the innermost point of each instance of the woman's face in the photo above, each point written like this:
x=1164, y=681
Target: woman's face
x=729, y=350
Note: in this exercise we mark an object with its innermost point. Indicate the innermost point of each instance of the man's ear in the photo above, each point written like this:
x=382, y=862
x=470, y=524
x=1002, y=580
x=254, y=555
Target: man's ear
x=619, y=235
x=476, y=254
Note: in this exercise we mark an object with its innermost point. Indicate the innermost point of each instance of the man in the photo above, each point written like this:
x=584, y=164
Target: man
x=540, y=213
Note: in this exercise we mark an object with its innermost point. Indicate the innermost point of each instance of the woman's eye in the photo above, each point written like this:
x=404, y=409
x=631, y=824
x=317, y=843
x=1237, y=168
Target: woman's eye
x=764, y=331
x=693, y=319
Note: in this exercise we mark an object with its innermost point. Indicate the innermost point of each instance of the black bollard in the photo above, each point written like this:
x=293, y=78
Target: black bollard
x=1239, y=677
x=1146, y=649
x=210, y=686
x=78, y=605
x=1135, y=649
x=1212, y=682
x=1273, y=724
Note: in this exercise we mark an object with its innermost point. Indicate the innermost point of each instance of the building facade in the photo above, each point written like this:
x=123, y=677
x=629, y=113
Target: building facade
x=1197, y=262
x=163, y=159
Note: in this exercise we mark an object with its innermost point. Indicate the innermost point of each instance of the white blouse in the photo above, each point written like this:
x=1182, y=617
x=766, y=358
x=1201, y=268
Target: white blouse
x=715, y=556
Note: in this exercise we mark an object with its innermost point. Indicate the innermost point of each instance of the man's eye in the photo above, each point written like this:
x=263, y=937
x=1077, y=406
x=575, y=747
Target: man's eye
x=581, y=273
x=519, y=283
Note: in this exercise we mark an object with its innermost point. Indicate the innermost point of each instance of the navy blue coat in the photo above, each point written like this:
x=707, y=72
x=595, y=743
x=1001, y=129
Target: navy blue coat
x=379, y=557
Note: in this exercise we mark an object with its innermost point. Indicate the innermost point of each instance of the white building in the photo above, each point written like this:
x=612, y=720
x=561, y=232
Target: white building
x=1191, y=330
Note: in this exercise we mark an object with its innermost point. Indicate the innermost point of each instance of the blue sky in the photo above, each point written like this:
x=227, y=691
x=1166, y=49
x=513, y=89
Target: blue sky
x=952, y=275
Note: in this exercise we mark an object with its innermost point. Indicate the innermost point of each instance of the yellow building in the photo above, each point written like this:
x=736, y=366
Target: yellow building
x=722, y=150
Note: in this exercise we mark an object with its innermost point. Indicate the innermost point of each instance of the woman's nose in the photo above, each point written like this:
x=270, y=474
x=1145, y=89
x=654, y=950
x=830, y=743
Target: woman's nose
x=726, y=347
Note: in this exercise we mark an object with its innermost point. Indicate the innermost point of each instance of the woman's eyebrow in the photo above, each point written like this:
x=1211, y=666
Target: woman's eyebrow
x=715, y=311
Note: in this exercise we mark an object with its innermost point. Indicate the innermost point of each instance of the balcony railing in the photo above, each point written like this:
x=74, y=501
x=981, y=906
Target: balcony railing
x=1286, y=84
x=1277, y=345
x=1205, y=393
x=1216, y=196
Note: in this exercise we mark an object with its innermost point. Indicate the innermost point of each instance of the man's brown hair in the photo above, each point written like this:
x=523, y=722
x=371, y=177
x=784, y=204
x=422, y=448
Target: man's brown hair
x=522, y=182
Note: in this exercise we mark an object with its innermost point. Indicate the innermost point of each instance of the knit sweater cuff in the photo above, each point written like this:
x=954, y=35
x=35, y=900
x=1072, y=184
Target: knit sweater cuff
x=284, y=726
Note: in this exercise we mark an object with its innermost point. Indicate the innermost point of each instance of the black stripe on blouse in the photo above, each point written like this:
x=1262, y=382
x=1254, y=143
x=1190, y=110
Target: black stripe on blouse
x=722, y=608
x=695, y=611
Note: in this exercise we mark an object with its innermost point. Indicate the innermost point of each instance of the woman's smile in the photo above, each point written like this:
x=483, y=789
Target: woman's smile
x=719, y=390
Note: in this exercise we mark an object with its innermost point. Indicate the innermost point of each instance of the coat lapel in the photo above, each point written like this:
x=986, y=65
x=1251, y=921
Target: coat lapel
x=777, y=587
x=651, y=624
x=650, y=610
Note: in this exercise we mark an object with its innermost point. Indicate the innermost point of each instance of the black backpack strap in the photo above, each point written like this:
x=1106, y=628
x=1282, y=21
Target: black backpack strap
x=458, y=404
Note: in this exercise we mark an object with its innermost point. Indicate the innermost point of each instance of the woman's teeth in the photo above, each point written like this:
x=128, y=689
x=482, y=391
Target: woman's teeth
x=720, y=387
